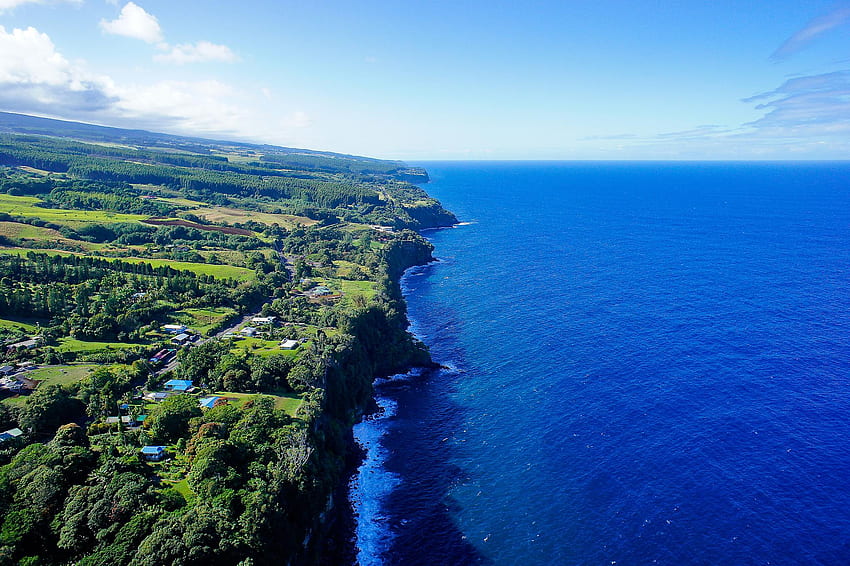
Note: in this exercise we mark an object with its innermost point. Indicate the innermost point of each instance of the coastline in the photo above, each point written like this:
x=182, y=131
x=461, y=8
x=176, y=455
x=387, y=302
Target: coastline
x=342, y=521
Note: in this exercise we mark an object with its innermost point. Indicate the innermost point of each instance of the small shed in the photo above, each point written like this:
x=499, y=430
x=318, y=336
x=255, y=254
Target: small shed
x=153, y=453
x=181, y=339
x=174, y=328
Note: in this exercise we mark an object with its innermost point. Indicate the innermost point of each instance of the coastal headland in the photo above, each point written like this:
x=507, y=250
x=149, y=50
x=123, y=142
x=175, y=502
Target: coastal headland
x=190, y=330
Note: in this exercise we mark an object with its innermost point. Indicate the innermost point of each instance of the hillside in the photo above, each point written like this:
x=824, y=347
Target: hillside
x=190, y=328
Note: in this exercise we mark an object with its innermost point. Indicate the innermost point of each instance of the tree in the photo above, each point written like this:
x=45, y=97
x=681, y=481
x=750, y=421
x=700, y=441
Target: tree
x=48, y=408
x=170, y=419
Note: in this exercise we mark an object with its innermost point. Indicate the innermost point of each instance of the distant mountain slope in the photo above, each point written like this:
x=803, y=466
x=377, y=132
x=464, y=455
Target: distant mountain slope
x=285, y=156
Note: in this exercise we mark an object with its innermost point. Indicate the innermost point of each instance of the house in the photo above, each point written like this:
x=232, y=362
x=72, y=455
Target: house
x=174, y=328
x=153, y=453
x=181, y=339
x=318, y=291
x=7, y=370
x=263, y=320
x=25, y=344
x=179, y=385
x=11, y=433
x=288, y=344
x=248, y=331
x=161, y=356
x=208, y=402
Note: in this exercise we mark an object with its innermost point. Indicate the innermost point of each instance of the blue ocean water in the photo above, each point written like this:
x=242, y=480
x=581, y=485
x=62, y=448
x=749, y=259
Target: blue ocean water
x=649, y=363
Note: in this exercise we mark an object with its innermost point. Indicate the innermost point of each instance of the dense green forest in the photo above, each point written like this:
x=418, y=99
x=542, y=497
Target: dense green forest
x=277, y=267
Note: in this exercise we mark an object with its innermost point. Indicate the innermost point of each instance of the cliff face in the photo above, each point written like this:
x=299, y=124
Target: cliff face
x=380, y=346
x=430, y=214
x=415, y=175
x=405, y=253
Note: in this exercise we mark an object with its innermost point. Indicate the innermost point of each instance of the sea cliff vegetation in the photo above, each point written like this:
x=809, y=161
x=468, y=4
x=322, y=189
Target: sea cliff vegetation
x=189, y=330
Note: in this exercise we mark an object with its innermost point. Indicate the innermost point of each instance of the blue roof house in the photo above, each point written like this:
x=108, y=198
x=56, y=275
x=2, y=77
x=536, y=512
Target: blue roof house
x=208, y=402
x=11, y=433
x=153, y=453
x=180, y=385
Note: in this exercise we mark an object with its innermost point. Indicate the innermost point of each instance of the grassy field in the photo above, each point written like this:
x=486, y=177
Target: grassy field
x=288, y=402
x=345, y=268
x=62, y=375
x=182, y=487
x=351, y=288
x=202, y=319
x=18, y=230
x=262, y=348
x=25, y=251
x=348, y=288
x=26, y=206
x=223, y=214
x=17, y=401
x=18, y=325
x=69, y=344
x=218, y=271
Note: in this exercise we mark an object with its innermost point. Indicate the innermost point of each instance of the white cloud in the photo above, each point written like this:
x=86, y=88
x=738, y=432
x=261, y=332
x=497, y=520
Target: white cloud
x=191, y=106
x=35, y=77
x=200, y=52
x=134, y=22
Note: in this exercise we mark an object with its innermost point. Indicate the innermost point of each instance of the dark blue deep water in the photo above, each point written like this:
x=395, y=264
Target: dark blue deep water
x=649, y=363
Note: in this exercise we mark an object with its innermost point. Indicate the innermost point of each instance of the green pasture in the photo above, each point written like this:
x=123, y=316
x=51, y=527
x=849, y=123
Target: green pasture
x=217, y=271
x=262, y=348
x=288, y=402
x=69, y=344
x=26, y=207
x=12, y=324
x=62, y=375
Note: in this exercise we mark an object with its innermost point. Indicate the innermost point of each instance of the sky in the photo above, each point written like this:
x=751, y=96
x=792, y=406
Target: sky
x=568, y=79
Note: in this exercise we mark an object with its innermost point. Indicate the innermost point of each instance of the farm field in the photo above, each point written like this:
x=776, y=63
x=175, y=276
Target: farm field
x=234, y=215
x=26, y=207
x=288, y=402
x=69, y=344
x=217, y=271
x=62, y=374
